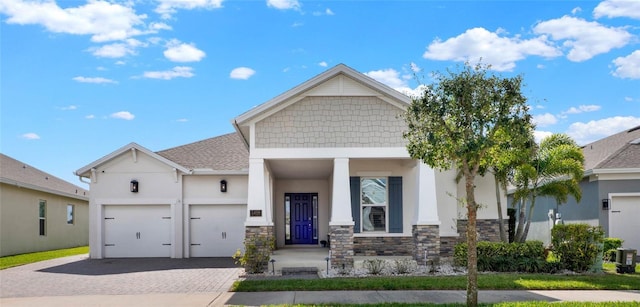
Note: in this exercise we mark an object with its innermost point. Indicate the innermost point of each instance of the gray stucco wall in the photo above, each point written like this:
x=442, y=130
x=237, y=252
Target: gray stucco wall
x=614, y=186
x=316, y=122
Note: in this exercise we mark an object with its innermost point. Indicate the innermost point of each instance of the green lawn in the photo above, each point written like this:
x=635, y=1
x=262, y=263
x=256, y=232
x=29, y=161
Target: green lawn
x=16, y=260
x=494, y=281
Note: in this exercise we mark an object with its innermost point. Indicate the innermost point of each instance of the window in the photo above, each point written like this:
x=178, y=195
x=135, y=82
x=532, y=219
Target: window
x=374, y=198
x=42, y=217
x=70, y=214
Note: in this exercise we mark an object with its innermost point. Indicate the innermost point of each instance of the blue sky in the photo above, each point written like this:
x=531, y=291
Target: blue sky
x=79, y=79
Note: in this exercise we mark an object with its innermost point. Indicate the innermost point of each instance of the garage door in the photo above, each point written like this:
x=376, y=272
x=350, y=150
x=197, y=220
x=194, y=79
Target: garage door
x=137, y=231
x=623, y=220
x=216, y=230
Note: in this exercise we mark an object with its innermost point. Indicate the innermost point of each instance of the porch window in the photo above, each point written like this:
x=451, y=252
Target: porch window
x=374, y=199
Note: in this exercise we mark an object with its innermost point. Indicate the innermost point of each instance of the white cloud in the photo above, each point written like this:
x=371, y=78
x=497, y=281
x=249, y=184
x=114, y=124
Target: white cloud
x=414, y=67
x=103, y=20
x=329, y=12
x=168, y=7
x=584, y=39
x=118, y=50
x=538, y=135
x=540, y=66
x=159, y=26
x=501, y=52
x=181, y=52
x=182, y=120
x=628, y=99
x=120, y=63
x=126, y=115
x=628, y=67
x=242, y=73
x=284, y=4
x=90, y=116
x=69, y=108
x=323, y=64
x=96, y=80
x=618, y=8
x=30, y=136
x=576, y=10
x=176, y=72
x=582, y=108
x=584, y=133
x=388, y=76
x=544, y=120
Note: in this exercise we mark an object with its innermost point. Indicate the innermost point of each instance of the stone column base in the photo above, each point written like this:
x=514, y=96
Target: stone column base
x=427, y=243
x=341, y=246
x=262, y=237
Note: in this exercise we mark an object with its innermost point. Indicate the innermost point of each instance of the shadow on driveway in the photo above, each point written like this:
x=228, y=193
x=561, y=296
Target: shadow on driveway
x=96, y=267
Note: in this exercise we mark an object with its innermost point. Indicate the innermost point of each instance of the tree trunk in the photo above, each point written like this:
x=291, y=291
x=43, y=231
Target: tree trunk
x=526, y=229
x=503, y=234
x=521, y=221
x=472, y=252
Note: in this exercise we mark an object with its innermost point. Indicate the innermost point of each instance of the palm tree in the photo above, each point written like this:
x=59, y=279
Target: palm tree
x=554, y=170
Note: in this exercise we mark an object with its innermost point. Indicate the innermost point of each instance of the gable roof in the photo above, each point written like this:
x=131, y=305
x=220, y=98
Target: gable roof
x=85, y=171
x=223, y=153
x=621, y=150
x=20, y=174
x=383, y=91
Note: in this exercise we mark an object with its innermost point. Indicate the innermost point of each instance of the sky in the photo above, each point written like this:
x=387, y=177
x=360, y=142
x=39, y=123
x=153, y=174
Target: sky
x=80, y=79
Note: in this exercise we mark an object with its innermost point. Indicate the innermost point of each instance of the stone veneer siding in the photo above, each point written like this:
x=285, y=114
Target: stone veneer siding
x=488, y=230
x=427, y=243
x=383, y=246
x=447, y=246
x=317, y=122
x=260, y=232
x=341, y=246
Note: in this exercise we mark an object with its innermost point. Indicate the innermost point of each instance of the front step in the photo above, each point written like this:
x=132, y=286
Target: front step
x=300, y=271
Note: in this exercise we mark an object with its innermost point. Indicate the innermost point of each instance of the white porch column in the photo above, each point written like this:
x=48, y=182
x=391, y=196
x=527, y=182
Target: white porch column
x=257, y=198
x=426, y=211
x=341, y=196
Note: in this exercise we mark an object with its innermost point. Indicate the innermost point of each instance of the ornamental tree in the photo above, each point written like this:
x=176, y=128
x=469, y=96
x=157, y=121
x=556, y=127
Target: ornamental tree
x=455, y=124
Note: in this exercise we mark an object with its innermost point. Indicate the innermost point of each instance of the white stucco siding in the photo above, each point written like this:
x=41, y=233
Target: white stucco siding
x=448, y=206
x=203, y=189
x=485, y=194
x=321, y=122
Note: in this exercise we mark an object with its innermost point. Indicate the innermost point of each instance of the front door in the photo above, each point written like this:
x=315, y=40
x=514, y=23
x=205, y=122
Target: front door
x=302, y=226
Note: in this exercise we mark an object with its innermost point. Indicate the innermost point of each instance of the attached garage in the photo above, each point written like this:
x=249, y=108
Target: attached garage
x=216, y=230
x=137, y=231
x=623, y=220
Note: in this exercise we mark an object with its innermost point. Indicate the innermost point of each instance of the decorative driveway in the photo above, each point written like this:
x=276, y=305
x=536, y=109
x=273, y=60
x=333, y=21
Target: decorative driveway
x=78, y=275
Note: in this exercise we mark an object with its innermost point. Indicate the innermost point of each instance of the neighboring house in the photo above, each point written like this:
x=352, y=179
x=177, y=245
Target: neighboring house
x=38, y=211
x=610, y=192
x=323, y=161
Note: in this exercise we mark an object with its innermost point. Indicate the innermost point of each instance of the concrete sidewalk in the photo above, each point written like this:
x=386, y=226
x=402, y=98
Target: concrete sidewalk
x=438, y=296
x=318, y=297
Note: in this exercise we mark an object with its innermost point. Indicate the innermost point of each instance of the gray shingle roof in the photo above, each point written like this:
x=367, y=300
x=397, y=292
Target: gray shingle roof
x=616, y=151
x=223, y=153
x=21, y=174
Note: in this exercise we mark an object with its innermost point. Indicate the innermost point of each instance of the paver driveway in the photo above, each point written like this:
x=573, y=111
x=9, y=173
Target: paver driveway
x=78, y=275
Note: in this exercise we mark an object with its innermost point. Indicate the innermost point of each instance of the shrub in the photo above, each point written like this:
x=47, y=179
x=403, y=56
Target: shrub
x=257, y=254
x=577, y=245
x=403, y=266
x=610, y=247
x=374, y=266
x=504, y=257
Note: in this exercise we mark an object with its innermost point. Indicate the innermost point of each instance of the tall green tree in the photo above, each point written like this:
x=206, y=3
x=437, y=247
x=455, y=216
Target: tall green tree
x=455, y=124
x=554, y=170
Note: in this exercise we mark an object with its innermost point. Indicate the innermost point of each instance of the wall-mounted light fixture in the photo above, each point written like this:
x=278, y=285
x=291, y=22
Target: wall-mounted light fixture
x=223, y=186
x=605, y=204
x=134, y=186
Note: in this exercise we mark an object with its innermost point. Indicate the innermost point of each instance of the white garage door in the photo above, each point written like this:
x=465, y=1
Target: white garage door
x=216, y=230
x=623, y=220
x=137, y=231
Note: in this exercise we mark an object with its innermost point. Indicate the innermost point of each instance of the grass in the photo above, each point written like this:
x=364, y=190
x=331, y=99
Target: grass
x=16, y=260
x=506, y=304
x=608, y=280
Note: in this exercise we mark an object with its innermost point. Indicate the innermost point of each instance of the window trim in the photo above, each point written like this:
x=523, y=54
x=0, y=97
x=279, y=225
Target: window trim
x=73, y=214
x=384, y=205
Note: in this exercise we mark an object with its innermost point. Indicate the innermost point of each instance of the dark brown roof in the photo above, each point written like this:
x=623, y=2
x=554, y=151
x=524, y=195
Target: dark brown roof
x=21, y=174
x=616, y=151
x=223, y=153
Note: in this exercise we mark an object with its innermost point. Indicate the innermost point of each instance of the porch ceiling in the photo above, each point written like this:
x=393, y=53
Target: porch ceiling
x=301, y=169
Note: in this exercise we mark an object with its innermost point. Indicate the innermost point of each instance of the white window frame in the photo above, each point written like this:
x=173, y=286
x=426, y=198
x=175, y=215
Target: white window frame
x=384, y=205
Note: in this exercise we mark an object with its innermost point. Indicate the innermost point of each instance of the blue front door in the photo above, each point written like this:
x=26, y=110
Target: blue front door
x=302, y=219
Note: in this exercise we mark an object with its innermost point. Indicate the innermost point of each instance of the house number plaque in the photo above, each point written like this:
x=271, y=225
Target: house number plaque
x=255, y=212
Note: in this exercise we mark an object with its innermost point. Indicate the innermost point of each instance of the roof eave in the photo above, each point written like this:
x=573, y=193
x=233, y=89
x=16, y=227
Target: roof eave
x=43, y=189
